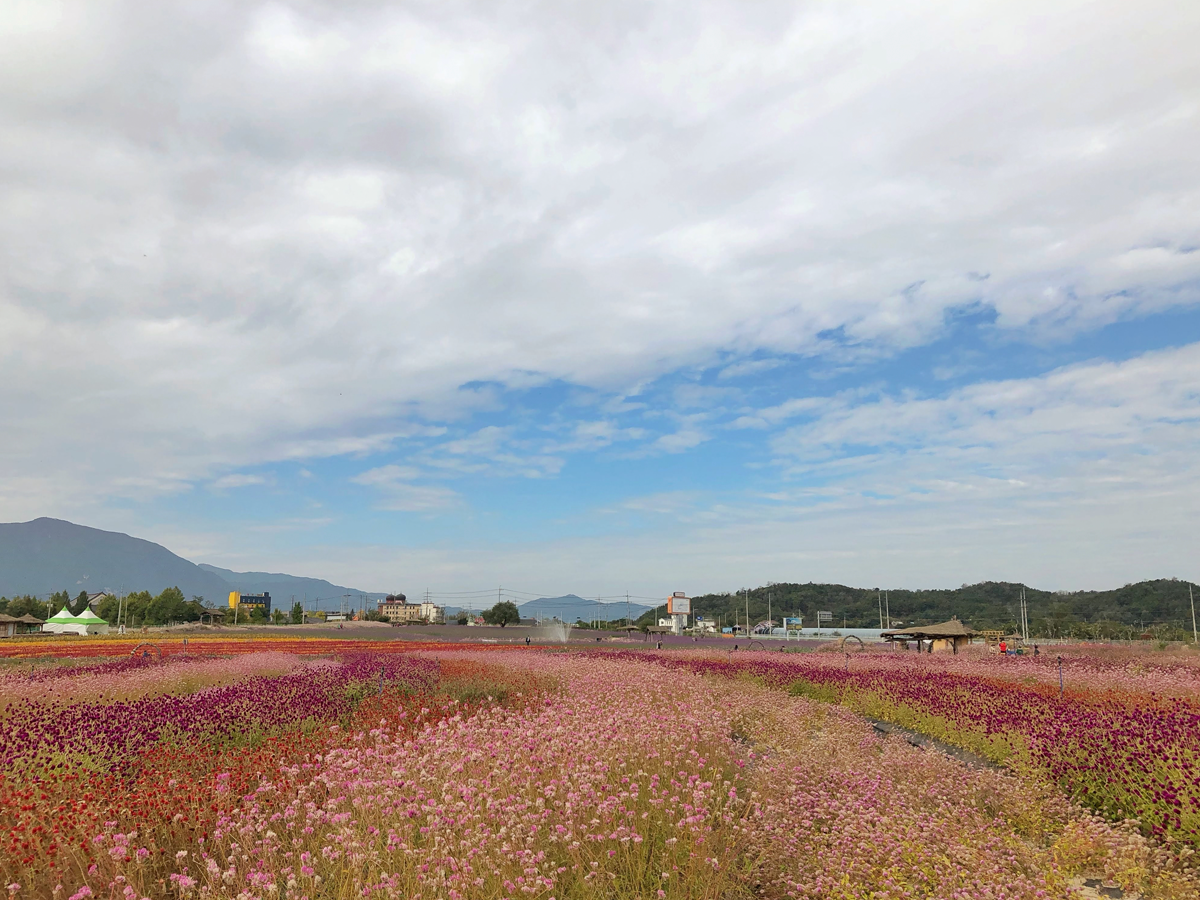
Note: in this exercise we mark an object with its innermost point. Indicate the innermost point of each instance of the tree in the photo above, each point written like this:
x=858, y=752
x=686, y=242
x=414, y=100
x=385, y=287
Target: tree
x=19, y=606
x=169, y=606
x=80, y=604
x=58, y=600
x=279, y=616
x=503, y=613
x=297, y=613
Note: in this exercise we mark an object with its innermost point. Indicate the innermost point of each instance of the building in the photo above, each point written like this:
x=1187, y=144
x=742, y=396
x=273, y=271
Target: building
x=94, y=600
x=945, y=636
x=245, y=604
x=397, y=610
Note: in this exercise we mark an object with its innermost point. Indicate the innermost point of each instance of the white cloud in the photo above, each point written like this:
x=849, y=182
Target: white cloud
x=228, y=482
x=773, y=415
x=701, y=396
x=211, y=258
x=492, y=450
x=667, y=503
x=1101, y=449
x=397, y=492
x=748, y=367
x=594, y=435
x=685, y=438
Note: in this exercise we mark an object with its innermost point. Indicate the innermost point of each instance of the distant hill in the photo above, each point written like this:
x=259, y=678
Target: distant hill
x=48, y=555
x=572, y=608
x=568, y=608
x=283, y=587
x=989, y=604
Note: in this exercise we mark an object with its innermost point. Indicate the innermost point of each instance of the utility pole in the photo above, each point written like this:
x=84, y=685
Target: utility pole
x=768, y=612
x=879, y=597
x=1192, y=600
x=887, y=609
x=747, y=612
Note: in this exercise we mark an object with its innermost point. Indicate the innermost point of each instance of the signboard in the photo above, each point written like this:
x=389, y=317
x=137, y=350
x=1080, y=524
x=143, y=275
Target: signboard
x=824, y=615
x=793, y=621
x=678, y=605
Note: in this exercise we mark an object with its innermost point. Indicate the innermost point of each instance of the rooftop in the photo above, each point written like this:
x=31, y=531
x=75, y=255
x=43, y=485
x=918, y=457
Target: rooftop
x=952, y=628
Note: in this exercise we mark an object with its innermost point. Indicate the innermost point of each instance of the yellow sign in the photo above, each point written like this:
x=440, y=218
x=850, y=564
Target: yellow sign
x=235, y=597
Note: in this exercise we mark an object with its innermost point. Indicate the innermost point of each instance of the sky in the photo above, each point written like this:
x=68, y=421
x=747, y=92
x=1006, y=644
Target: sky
x=629, y=296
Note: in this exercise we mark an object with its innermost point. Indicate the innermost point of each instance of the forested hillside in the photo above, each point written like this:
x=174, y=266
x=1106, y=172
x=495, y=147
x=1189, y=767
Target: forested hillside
x=1160, y=607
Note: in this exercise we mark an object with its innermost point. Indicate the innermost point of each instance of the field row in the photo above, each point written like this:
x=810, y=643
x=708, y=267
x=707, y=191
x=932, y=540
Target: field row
x=463, y=774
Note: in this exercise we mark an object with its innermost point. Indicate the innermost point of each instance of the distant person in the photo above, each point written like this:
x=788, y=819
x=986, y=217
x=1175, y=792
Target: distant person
x=526, y=640
x=1036, y=651
x=1003, y=647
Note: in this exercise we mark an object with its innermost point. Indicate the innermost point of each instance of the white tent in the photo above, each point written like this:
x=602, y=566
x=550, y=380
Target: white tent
x=87, y=622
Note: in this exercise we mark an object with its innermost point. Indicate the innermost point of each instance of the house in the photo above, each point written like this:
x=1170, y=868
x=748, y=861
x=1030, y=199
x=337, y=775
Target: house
x=945, y=636
x=8, y=625
x=94, y=600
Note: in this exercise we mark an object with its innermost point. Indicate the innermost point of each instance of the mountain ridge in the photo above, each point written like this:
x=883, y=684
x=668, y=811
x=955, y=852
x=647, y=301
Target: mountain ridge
x=46, y=555
x=283, y=587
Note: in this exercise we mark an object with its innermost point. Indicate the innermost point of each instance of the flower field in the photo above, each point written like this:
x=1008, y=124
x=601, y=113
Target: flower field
x=394, y=771
x=1122, y=739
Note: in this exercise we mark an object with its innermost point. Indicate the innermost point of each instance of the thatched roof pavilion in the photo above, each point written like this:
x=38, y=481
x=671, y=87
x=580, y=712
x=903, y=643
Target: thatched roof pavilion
x=943, y=636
